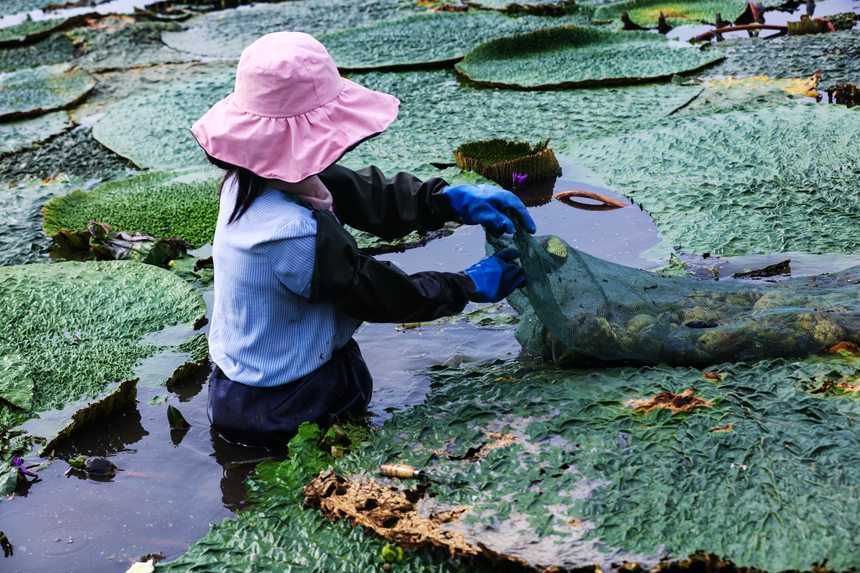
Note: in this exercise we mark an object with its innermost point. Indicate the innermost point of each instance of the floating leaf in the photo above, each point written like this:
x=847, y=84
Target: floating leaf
x=738, y=94
x=153, y=203
x=578, y=56
x=834, y=55
x=77, y=326
x=24, y=133
x=647, y=12
x=742, y=182
x=30, y=31
x=225, y=33
x=16, y=385
x=40, y=90
x=438, y=113
x=175, y=419
x=422, y=39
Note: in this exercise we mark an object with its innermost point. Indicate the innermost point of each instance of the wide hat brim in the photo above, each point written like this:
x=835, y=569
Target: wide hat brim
x=294, y=148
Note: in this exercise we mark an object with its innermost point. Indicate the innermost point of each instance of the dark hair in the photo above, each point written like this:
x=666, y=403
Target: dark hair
x=249, y=185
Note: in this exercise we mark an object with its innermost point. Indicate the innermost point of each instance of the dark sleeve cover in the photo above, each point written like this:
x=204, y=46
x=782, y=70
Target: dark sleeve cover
x=378, y=291
x=387, y=208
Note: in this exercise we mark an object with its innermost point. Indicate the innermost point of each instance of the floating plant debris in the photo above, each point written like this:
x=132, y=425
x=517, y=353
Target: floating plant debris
x=683, y=402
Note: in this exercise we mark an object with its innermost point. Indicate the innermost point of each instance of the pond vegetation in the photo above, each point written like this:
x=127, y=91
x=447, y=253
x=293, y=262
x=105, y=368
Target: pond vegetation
x=739, y=151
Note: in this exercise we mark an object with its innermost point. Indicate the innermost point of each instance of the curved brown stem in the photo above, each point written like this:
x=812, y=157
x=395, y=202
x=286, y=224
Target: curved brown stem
x=568, y=195
x=710, y=34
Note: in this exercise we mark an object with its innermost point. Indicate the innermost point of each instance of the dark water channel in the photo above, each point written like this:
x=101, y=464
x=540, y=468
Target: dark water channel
x=170, y=488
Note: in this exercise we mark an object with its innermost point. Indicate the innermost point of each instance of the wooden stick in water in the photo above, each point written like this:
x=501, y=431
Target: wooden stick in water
x=588, y=195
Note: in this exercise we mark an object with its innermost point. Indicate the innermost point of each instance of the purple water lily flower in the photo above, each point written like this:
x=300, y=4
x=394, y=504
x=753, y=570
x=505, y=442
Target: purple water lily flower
x=517, y=179
x=19, y=463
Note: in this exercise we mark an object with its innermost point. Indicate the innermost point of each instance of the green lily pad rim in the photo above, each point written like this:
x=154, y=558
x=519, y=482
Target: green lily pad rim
x=74, y=70
x=537, y=9
x=61, y=24
x=607, y=82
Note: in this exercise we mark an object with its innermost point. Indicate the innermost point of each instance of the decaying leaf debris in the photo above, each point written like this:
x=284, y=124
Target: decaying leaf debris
x=395, y=514
x=686, y=401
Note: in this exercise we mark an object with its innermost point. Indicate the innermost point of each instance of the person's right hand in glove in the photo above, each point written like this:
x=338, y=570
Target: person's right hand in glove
x=496, y=276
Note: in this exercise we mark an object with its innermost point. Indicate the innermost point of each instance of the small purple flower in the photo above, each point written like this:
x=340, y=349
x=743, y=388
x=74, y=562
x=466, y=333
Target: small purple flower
x=517, y=179
x=19, y=463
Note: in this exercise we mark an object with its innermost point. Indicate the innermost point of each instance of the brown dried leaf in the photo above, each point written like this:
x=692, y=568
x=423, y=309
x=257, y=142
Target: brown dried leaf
x=389, y=512
x=845, y=346
x=727, y=428
x=686, y=401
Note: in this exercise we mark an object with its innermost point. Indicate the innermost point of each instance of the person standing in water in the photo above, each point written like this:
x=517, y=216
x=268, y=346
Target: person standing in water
x=291, y=286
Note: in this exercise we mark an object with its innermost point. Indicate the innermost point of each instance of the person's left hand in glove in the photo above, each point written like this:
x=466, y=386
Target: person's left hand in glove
x=485, y=205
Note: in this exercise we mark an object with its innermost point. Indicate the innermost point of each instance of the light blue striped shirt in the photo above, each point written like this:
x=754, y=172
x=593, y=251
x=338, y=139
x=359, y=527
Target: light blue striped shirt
x=264, y=331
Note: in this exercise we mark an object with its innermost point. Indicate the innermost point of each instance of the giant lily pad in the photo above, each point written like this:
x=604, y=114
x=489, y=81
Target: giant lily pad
x=120, y=42
x=19, y=6
x=29, y=31
x=53, y=50
x=40, y=90
x=148, y=203
x=576, y=56
x=226, y=33
x=73, y=153
x=431, y=38
x=835, y=55
x=161, y=205
x=73, y=327
x=24, y=133
x=436, y=115
x=569, y=470
x=742, y=182
x=733, y=94
x=647, y=12
x=543, y=7
x=21, y=237
x=160, y=120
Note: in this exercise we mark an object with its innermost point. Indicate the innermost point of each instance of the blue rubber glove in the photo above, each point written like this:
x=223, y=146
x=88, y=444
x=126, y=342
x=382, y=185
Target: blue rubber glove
x=496, y=277
x=485, y=205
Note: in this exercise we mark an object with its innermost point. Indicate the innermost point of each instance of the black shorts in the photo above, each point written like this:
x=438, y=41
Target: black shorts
x=269, y=417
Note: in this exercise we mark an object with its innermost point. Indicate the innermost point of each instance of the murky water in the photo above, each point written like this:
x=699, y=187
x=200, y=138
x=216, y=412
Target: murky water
x=172, y=487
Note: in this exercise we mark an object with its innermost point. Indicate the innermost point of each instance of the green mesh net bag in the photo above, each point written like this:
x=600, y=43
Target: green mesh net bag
x=583, y=310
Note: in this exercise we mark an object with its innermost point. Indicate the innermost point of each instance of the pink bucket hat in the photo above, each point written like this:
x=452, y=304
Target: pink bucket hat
x=291, y=115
